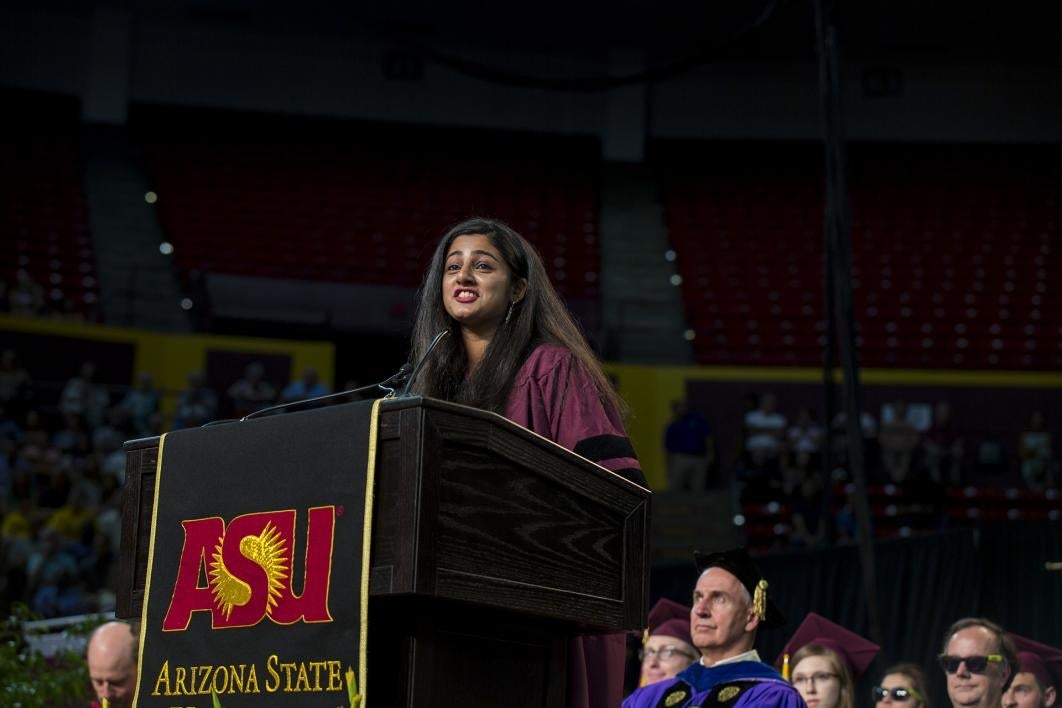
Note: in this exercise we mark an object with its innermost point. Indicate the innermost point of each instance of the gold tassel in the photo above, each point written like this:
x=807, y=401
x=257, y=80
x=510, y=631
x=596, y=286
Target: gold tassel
x=785, y=666
x=759, y=600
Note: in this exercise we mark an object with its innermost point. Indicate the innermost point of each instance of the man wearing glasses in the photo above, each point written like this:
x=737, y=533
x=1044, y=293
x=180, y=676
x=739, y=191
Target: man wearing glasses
x=979, y=661
x=730, y=602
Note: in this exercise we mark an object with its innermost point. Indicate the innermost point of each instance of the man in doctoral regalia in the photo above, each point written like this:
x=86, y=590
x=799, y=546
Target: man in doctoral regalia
x=730, y=602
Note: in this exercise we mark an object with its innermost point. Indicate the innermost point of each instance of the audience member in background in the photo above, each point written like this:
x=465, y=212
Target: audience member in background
x=73, y=437
x=1038, y=679
x=112, y=663
x=979, y=661
x=1034, y=451
x=15, y=391
x=898, y=439
x=82, y=396
x=839, y=444
x=514, y=349
x=27, y=297
x=902, y=686
x=197, y=404
x=690, y=449
x=307, y=386
x=140, y=403
x=252, y=392
x=943, y=446
x=805, y=435
x=51, y=578
x=730, y=603
x=824, y=660
x=809, y=529
x=668, y=648
x=764, y=432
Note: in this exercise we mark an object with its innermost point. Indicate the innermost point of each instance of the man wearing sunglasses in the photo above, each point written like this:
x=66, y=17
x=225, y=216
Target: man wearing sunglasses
x=979, y=661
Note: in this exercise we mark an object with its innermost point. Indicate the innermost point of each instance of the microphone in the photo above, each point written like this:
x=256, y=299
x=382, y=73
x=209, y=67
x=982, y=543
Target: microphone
x=416, y=369
x=388, y=385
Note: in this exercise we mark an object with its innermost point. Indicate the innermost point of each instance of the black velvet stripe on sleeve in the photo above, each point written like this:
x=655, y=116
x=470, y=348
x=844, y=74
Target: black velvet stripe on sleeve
x=633, y=474
x=605, y=447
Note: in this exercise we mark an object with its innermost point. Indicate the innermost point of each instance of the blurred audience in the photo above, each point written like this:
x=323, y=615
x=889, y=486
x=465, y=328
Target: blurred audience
x=307, y=386
x=251, y=392
x=690, y=449
x=1034, y=450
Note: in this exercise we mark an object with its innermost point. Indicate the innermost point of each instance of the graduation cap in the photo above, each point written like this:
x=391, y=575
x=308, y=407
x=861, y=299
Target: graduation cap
x=856, y=651
x=738, y=563
x=669, y=619
x=1042, y=661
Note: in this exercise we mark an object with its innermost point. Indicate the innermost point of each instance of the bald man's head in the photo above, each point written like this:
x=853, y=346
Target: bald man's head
x=112, y=651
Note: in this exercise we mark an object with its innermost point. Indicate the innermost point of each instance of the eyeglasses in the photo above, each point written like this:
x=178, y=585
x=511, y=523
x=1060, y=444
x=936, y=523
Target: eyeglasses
x=821, y=677
x=663, y=653
x=974, y=664
x=898, y=694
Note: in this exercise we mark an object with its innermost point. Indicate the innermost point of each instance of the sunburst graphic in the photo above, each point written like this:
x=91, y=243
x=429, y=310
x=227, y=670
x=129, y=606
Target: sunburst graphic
x=267, y=549
x=229, y=591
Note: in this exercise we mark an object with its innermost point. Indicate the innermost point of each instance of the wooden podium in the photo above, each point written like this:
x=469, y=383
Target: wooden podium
x=491, y=547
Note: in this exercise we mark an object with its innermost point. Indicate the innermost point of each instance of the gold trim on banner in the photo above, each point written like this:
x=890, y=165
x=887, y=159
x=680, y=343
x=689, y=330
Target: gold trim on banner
x=150, y=564
x=366, y=553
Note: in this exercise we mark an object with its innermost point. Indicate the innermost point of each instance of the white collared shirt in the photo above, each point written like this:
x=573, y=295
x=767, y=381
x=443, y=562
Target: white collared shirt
x=751, y=655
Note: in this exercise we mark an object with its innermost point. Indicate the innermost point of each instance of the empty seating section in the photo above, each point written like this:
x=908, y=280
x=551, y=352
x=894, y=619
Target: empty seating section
x=323, y=200
x=43, y=216
x=956, y=254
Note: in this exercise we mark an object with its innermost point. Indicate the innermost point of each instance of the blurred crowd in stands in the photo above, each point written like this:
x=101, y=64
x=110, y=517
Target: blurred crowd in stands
x=62, y=467
x=914, y=456
x=27, y=297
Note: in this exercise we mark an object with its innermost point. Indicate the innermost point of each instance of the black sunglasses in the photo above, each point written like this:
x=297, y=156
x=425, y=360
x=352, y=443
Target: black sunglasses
x=898, y=694
x=974, y=664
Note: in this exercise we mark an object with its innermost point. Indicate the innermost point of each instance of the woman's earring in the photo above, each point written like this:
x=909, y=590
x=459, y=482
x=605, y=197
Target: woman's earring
x=509, y=313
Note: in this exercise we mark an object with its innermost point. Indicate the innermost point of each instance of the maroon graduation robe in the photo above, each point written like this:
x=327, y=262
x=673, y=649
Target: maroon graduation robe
x=554, y=396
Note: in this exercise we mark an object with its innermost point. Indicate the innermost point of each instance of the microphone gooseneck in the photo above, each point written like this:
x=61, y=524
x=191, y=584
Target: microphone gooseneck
x=423, y=360
x=388, y=384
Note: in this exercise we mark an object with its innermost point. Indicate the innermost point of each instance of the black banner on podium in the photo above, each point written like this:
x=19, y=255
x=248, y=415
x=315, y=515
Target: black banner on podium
x=256, y=590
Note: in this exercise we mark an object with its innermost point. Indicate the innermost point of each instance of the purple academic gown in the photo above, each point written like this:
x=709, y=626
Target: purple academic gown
x=738, y=685
x=554, y=397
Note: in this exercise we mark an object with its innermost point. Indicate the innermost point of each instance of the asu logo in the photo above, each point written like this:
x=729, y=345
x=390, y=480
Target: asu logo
x=248, y=570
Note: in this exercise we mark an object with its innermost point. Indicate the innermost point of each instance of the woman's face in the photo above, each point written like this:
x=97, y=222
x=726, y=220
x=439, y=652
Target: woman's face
x=817, y=682
x=892, y=681
x=477, y=284
x=664, y=657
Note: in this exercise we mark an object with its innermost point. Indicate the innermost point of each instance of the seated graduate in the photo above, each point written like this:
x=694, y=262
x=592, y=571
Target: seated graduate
x=668, y=648
x=730, y=603
x=1038, y=679
x=516, y=350
x=902, y=684
x=824, y=660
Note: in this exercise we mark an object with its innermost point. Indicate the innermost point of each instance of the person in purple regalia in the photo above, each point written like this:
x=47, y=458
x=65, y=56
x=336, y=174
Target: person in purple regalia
x=730, y=603
x=516, y=350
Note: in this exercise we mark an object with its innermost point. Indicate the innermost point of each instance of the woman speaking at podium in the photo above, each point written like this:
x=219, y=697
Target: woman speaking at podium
x=514, y=349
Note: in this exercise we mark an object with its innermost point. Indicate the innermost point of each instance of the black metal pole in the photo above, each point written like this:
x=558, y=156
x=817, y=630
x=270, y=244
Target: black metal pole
x=838, y=278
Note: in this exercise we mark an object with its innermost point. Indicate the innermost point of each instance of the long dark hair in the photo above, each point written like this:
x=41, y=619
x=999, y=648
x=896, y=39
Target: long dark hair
x=538, y=318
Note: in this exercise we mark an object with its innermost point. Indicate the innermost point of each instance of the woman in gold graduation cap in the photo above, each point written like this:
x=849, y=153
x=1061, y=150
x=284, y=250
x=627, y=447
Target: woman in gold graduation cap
x=668, y=648
x=823, y=661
